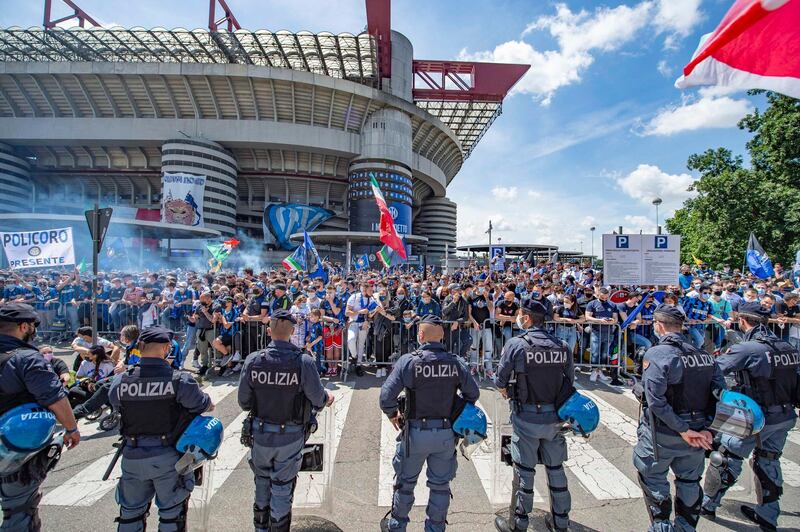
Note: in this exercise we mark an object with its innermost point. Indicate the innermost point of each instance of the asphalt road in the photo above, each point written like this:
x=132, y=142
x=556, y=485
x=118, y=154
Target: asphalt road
x=354, y=494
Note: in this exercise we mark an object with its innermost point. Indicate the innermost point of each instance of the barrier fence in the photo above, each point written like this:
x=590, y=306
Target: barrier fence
x=380, y=342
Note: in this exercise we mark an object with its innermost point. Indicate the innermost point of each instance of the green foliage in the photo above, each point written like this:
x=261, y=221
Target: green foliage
x=733, y=200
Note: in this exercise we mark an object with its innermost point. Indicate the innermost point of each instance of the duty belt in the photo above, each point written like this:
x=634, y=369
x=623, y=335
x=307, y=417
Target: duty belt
x=425, y=423
x=150, y=440
x=537, y=408
x=266, y=427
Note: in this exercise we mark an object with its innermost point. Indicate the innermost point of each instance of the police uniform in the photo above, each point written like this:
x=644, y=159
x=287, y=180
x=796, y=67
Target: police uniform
x=24, y=378
x=679, y=383
x=156, y=404
x=766, y=369
x=540, y=367
x=279, y=385
x=431, y=378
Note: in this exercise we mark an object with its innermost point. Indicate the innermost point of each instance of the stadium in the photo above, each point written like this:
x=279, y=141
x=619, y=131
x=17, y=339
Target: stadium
x=283, y=128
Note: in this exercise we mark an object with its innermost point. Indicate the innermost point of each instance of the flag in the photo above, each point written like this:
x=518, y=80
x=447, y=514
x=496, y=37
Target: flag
x=635, y=312
x=362, y=262
x=389, y=234
x=757, y=259
x=296, y=261
x=697, y=261
x=313, y=262
x=220, y=252
x=754, y=47
x=82, y=265
x=554, y=258
x=796, y=270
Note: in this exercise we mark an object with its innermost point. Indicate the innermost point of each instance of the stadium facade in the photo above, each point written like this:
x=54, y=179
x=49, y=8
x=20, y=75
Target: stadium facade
x=274, y=121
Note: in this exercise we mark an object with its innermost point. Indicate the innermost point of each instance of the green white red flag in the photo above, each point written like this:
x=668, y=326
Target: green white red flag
x=388, y=231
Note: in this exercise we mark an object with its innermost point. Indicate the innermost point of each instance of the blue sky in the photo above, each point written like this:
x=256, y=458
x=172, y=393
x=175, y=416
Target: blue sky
x=590, y=136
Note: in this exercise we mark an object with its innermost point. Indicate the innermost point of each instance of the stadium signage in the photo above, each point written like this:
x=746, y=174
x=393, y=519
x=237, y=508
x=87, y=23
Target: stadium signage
x=39, y=249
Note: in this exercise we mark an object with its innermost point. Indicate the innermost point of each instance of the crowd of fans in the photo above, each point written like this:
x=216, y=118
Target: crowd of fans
x=369, y=318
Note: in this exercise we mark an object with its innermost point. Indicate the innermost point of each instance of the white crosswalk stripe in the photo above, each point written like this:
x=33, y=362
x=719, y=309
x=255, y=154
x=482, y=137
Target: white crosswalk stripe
x=603, y=473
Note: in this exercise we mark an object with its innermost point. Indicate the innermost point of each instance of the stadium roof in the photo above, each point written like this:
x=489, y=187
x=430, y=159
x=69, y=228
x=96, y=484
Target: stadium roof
x=344, y=56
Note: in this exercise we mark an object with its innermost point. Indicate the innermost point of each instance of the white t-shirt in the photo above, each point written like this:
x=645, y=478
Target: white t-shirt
x=359, y=301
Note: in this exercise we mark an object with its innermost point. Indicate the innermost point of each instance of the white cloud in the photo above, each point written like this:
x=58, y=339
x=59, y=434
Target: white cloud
x=581, y=35
x=678, y=17
x=648, y=182
x=504, y=193
x=534, y=194
x=712, y=110
x=634, y=224
x=577, y=34
x=664, y=69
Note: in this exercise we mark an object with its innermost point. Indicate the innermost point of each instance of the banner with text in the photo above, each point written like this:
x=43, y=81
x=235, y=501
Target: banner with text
x=39, y=249
x=641, y=259
x=182, y=199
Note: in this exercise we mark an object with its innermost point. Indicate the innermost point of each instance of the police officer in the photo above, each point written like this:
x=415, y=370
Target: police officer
x=678, y=391
x=431, y=378
x=766, y=369
x=156, y=404
x=279, y=385
x=541, y=370
x=25, y=378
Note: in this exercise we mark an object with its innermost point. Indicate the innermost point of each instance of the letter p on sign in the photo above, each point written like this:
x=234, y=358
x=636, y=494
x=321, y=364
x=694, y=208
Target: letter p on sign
x=622, y=242
x=661, y=242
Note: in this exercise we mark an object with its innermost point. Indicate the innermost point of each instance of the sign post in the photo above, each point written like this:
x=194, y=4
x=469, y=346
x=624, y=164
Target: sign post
x=98, y=220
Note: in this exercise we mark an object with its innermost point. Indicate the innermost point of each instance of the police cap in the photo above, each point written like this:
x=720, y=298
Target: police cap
x=280, y=287
x=755, y=310
x=18, y=313
x=156, y=335
x=669, y=314
x=533, y=306
x=431, y=319
x=283, y=315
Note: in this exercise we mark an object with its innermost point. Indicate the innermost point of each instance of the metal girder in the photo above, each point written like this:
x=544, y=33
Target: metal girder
x=379, y=26
x=464, y=81
x=78, y=13
x=229, y=18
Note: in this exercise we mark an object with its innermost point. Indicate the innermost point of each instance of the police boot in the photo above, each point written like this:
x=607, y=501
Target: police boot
x=385, y=522
x=762, y=523
x=548, y=521
x=280, y=525
x=502, y=524
x=260, y=517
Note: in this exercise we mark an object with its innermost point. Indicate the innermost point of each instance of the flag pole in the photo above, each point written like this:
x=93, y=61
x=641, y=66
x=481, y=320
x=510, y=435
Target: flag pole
x=348, y=256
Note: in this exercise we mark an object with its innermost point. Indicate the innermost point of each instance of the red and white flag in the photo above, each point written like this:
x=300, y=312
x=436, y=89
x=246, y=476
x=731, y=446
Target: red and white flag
x=756, y=46
x=388, y=231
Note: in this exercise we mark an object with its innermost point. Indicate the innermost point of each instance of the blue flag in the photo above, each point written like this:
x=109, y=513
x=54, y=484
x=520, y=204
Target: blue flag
x=635, y=312
x=313, y=262
x=757, y=259
x=362, y=262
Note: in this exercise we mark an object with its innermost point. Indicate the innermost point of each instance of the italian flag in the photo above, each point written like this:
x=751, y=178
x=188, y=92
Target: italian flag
x=295, y=261
x=389, y=234
x=385, y=256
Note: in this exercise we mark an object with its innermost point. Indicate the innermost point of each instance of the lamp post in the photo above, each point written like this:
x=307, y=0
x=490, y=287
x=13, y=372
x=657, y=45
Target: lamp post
x=592, y=230
x=657, y=202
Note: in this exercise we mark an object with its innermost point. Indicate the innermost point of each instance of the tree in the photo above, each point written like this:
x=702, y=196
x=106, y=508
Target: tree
x=732, y=200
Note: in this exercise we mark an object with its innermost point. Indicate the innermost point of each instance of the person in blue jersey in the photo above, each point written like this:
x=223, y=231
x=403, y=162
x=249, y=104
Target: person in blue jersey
x=697, y=310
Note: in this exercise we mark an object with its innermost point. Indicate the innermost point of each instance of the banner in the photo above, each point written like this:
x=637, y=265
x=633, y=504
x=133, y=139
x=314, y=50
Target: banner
x=39, y=249
x=281, y=220
x=182, y=199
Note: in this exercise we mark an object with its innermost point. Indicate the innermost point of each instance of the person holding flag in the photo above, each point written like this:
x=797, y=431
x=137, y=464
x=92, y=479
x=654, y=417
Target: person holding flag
x=220, y=252
x=757, y=260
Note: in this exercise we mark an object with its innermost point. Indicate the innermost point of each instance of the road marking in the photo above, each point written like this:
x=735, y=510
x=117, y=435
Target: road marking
x=791, y=472
x=794, y=436
x=86, y=487
x=386, y=469
x=310, y=491
x=496, y=477
x=617, y=422
x=599, y=476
